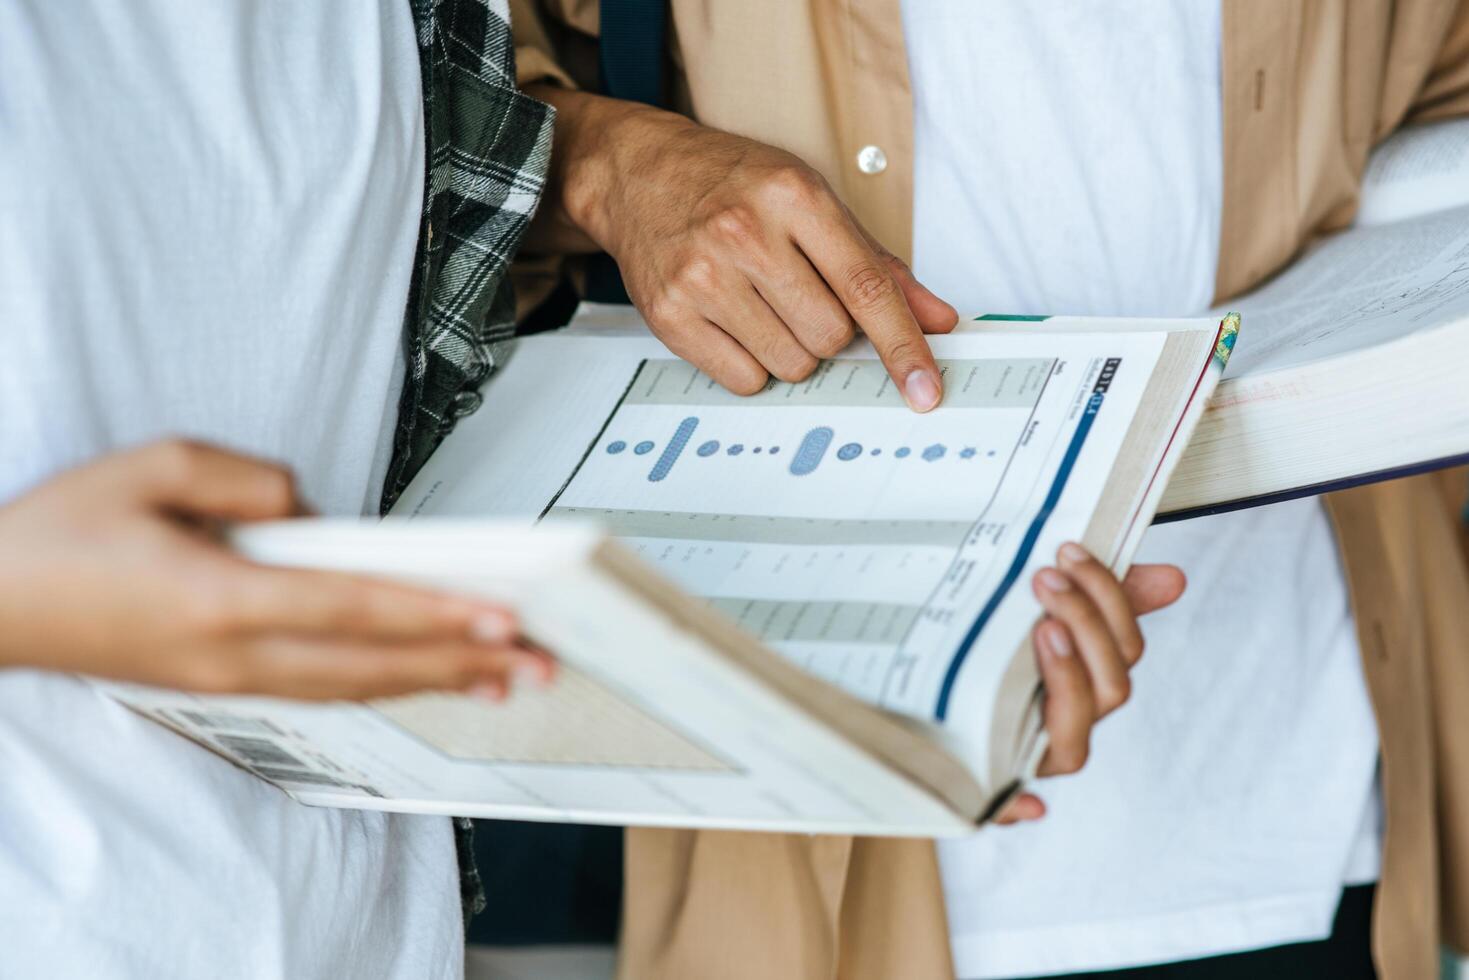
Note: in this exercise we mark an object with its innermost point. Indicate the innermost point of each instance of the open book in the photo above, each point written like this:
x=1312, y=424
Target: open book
x=807, y=610
x=817, y=615
x=1352, y=366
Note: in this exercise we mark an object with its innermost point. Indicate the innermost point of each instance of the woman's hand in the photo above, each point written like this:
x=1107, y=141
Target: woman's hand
x=115, y=569
x=1086, y=644
x=740, y=257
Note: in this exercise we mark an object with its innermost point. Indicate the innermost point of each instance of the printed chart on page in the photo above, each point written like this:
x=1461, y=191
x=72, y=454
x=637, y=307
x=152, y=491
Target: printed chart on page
x=794, y=511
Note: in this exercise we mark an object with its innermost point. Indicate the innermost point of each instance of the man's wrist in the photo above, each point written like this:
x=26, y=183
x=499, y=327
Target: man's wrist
x=600, y=142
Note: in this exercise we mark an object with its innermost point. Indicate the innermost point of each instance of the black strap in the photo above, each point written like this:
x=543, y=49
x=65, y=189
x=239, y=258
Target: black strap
x=634, y=36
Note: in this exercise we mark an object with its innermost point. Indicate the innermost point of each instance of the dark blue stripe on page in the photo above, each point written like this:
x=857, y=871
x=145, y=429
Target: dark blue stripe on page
x=1027, y=545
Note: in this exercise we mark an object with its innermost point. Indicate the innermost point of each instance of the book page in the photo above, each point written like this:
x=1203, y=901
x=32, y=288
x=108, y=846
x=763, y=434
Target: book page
x=646, y=725
x=1417, y=170
x=534, y=757
x=651, y=721
x=870, y=545
x=1356, y=289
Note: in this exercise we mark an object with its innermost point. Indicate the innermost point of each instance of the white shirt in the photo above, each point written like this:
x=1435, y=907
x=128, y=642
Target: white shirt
x=1068, y=161
x=208, y=216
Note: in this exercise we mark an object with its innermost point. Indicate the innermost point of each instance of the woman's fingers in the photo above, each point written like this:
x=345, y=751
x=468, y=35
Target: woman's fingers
x=260, y=600
x=1151, y=587
x=1107, y=594
x=338, y=670
x=1070, y=708
x=1065, y=600
x=198, y=480
x=1085, y=647
x=326, y=635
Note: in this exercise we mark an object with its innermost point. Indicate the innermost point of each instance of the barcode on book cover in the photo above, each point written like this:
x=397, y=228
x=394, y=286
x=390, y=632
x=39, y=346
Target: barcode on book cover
x=295, y=776
x=218, y=721
x=258, y=751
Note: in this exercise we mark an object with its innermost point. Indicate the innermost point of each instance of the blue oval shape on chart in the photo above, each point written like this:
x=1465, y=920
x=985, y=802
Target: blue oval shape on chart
x=902, y=451
x=616, y=447
x=709, y=448
x=850, y=451
x=736, y=449
x=671, y=452
x=643, y=448
x=809, y=452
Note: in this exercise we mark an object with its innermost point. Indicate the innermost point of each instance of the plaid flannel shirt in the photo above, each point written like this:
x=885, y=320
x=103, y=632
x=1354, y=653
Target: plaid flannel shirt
x=489, y=147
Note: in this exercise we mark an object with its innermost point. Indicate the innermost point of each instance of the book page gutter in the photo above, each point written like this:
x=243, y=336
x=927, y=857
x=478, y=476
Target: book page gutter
x=887, y=552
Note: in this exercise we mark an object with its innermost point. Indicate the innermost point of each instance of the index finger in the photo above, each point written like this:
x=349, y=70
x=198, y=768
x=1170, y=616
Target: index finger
x=864, y=283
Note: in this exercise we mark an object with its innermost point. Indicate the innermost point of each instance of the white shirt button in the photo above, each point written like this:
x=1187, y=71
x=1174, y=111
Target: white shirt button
x=871, y=160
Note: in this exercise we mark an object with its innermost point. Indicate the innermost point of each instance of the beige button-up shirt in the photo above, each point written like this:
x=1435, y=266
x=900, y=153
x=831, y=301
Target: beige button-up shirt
x=1309, y=87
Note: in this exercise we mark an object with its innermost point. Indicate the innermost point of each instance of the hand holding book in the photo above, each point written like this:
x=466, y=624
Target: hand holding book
x=116, y=569
x=1086, y=646
x=743, y=258
x=149, y=594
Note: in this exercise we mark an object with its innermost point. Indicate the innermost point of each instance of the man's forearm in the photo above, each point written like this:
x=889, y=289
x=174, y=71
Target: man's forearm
x=598, y=142
x=738, y=254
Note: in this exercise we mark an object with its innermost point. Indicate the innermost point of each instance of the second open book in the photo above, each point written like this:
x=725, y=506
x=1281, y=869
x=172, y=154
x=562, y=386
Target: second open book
x=805, y=610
